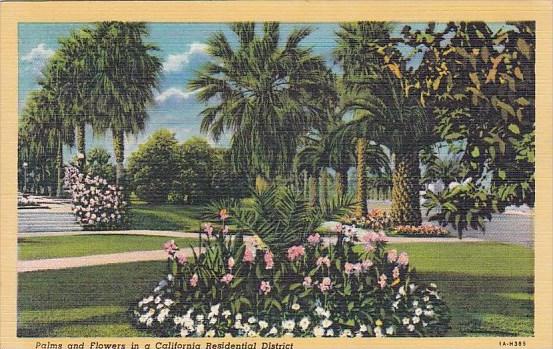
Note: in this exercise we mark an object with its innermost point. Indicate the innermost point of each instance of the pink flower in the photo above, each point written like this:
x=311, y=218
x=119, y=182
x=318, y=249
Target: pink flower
x=194, y=280
x=225, y=230
x=323, y=261
x=307, y=281
x=325, y=285
x=403, y=259
x=382, y=281
x=338, y=228
x=208, y=229
x=295, y=252
x=366, y=264
x=348, y=268
x=314, y=239
x=268, y=258
x=230, y=262
x=227, y=278
x=369, y=248
x=265, y=287
x=395, y=273
x=249, y=255
x=392, y=256
x=181, y=257
x=170, y=246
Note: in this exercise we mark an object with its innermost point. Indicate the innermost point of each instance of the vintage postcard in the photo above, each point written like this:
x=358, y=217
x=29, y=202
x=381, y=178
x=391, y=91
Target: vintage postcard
x=276, y=175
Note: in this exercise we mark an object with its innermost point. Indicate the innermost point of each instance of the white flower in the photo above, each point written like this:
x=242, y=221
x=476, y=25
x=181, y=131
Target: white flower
x=215, y=309
x=416, y=319
x=426, y=298
x=319, y=311
x=318, y=331
x=210, y=333
x=238, y=325
x=199, y=318
x=418, y=311
x=433, y=285
x=429, y=313
x=149, y=322
x=378, y=331
x=411, y=328
x=168, y=302
x=395, y=304
x=252, y=334
x=424, y=324
x=273, y=330
x=263, y=324
x=390, y=330
x=238, y=316
x=157, y=300
x=200, y=329
x=326, y=323
x=326, y=314
x=295, y=306
x=184, y=332
x=288, y=334
x=212, y=321
x=330, y=332
x=363, y=328
x=346, y=333
x=402, y=291
x=405, y=321
x=453, y=185
x=288, y=325
x=252, y=320
x=415, y=303
x=226, y=313
x=246, y=328
x=304, y=323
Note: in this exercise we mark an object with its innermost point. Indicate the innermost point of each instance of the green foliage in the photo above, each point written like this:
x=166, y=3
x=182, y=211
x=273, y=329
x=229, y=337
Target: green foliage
x=154, y=167
x=98, y=163
x=463, y=205
x=267, y=94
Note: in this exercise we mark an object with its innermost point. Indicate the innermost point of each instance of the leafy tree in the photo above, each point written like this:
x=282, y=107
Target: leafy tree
x=125, y=73
x=480, y=85
x=98, y=163
x=267, y=93
x=154, y=167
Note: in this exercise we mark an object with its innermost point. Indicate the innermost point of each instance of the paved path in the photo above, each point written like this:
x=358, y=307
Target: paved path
x=86, y=261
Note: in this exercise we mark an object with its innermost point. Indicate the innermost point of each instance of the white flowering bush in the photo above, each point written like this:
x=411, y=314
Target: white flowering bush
x=350, y=286
x=96, y=203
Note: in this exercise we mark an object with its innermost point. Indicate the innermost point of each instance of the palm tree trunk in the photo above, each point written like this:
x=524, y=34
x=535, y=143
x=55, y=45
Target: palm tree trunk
x=324, y=186
x=405, y=189
x=119, y=152
x=361, y=198
x=341, y=182
x=313, y=190
x=59, y=165
x=80, y=140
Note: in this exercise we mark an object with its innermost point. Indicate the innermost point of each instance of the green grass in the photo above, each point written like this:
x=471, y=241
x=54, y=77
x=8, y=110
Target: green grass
x=165, y=217
x=86, y=245
x=89, y=301
x=489, y=288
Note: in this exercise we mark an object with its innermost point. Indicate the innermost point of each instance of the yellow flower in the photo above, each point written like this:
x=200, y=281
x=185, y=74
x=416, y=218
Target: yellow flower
x=396, y=281
x=378, y=323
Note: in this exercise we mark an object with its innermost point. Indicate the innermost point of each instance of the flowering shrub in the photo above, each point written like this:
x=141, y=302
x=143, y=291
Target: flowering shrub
x=421, y=230
x=96, y=204
x=376, y=219
x=348, y=287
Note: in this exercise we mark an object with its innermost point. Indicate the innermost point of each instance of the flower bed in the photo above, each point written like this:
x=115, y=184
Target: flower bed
x=96, y=203
x=424, y=230
x=240, y=287
x=376, y=219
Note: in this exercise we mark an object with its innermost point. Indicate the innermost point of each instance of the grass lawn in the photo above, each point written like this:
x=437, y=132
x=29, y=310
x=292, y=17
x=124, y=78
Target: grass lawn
x=488, y=286
x=165, y=217
x=86, y=245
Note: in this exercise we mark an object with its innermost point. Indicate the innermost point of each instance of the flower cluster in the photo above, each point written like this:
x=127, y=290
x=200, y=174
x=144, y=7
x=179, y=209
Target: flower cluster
x=96, y=203
x=25, y=201
x=421, y=230
x=376, y=219
x=348, y=285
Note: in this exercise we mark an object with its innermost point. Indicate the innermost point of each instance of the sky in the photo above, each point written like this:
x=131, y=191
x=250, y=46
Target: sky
x=182, y=51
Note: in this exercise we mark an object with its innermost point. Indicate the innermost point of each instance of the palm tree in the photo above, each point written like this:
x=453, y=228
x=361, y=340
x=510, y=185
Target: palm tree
x=43, y=121
x=266, y=93
x=125, y=73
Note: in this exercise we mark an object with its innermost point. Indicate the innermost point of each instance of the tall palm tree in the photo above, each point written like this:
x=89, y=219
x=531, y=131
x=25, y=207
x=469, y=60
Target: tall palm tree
x=43, y=121
x=125, y=73
x=266, y=93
